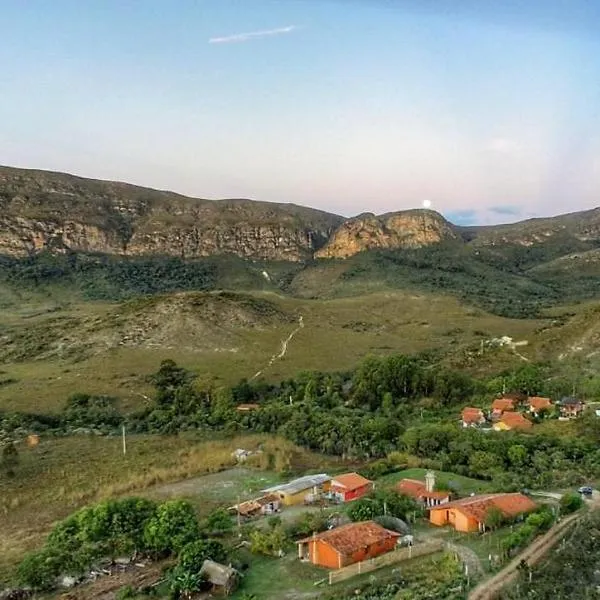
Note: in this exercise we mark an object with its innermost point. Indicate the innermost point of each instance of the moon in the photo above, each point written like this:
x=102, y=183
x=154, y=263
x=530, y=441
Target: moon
x=426, y=203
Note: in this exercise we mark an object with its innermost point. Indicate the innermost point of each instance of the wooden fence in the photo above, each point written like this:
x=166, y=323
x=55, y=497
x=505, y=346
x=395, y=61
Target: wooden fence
x=402, y=554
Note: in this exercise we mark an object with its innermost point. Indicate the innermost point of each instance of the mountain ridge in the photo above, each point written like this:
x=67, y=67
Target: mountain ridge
x=58, y=212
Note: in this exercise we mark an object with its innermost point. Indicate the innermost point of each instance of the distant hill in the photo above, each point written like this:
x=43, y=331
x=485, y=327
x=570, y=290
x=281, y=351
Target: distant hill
x=114, y=241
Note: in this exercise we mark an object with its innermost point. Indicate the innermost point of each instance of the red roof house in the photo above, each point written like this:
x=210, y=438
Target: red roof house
x=472, y=417
x=423, y=491
x=513, y=420
x=470, y=514
x=502, y=405
x=347, y=544
x=350, y=486
x=537, y=404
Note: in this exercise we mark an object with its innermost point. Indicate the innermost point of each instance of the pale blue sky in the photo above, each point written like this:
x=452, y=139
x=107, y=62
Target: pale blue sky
x=490, y=110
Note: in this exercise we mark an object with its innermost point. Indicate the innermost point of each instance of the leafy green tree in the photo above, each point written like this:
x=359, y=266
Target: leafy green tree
x=517, y=454
x=184, y=584
x=39, y=570
x=172, y=527
x=383, y=502
x=570, y=502
x=168, y=379
x=218, y=521
x=268, y=543
x=193, y=555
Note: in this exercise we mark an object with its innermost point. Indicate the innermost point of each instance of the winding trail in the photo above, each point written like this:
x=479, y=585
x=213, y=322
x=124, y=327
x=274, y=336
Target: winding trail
x=284, y=348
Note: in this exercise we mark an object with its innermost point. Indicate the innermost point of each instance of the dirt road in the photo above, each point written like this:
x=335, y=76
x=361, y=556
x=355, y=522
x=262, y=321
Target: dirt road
x=532, y=555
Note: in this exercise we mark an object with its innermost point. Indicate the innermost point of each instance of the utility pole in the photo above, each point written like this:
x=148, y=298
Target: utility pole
x=239, y=518
x=124, y=442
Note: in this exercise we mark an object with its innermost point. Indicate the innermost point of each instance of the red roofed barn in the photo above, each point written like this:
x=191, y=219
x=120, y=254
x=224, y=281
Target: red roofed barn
x=350, y=486
x=347, y=544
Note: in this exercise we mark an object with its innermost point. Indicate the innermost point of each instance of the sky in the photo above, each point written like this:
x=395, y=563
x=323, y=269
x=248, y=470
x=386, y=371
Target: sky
x=490, y=110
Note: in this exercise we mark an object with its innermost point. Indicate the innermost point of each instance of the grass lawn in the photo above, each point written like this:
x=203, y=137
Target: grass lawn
x=443, y=480
x=383, y=323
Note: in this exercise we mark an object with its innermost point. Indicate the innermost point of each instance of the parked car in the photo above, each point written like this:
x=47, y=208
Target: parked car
x=586, y=489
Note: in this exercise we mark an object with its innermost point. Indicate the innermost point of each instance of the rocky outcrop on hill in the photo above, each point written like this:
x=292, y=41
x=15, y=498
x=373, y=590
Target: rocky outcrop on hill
x=408, y=229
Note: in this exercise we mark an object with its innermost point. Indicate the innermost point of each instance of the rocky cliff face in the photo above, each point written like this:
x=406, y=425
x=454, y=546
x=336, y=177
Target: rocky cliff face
x=408, y=229
x=57, y=212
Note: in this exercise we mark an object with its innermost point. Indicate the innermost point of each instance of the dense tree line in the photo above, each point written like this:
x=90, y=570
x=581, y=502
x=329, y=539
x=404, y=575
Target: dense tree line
x=366, y=414
x=117, y=528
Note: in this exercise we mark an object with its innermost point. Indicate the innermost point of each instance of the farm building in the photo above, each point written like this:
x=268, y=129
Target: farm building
x=469, y=514
x=301, y=490
x=347, y=544
x=265, y=505
x=423, y=492
x=222, y=578
x=513, y=420
x=349, y=486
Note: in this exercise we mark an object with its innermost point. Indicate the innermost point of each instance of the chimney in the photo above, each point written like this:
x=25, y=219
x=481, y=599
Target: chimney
x=430, y=481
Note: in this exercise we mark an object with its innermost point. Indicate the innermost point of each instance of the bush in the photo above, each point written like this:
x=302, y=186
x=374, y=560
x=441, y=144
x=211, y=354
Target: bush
x=195, y=553
x=39, y=570
x=307, y=524
x=570, y=502
x=383, y=502
x=172, y=527
x=268, y=543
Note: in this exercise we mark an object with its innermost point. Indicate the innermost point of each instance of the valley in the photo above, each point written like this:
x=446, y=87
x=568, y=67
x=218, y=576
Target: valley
x=315, y=343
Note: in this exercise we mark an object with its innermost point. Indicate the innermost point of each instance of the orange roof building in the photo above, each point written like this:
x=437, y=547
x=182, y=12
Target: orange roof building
x=472, y=417
x=423, y=491
x=502, y=405
x=513, y=420
x=536, y=404
x=469, y=514
x=350, y=486
x=347, y=544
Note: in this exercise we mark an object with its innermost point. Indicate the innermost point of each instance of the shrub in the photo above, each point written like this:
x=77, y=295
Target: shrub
x=195, y=553
x=570, y=502
x=39, y=570
x=269, y=543
x=172, y=527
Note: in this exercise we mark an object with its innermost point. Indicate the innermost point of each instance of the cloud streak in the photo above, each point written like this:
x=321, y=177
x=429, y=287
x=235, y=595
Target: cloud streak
x=245, y=37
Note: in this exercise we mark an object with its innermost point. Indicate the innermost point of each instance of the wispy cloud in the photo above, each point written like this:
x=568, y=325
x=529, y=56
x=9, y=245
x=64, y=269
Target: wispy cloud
x=244, y=37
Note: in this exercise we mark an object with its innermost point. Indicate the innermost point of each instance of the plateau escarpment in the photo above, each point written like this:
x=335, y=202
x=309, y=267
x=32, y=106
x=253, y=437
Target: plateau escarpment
x=56, y=212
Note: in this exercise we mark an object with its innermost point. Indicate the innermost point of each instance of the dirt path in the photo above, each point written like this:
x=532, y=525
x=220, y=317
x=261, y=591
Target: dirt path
x=533, y=554
x=284, y=348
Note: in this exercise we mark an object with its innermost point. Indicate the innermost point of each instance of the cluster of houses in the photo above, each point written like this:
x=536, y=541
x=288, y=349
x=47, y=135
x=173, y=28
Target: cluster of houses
x=355, y=542
x=509, y=412
x=305, y=490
